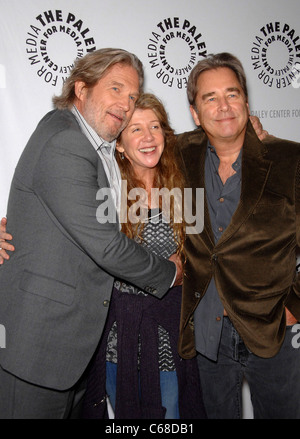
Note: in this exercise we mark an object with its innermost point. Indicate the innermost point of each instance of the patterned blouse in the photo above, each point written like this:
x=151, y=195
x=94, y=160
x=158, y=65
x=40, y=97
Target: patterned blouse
x=158, y=237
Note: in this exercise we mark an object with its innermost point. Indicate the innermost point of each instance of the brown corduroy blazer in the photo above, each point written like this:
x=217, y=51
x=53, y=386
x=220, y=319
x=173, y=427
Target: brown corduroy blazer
x=254, y=262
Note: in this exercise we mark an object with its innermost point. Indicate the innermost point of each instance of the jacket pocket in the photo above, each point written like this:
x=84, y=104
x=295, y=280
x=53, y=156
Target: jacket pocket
x=46, y=287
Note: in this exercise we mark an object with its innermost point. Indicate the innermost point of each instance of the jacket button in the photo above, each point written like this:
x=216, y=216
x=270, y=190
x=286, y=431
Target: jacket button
x=215, y=257
x=150, y=290
x=106, y=303
x=197, y=295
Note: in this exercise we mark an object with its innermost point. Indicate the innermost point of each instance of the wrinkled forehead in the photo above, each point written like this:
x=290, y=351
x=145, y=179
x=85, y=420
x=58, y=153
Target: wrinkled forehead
x=218, y=79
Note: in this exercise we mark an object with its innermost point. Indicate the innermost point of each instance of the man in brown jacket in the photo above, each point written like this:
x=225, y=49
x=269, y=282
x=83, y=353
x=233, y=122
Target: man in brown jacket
x=241, y=296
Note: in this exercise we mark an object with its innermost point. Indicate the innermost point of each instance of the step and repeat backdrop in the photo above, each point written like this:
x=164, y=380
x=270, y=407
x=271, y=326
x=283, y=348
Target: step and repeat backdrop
x=40, y=39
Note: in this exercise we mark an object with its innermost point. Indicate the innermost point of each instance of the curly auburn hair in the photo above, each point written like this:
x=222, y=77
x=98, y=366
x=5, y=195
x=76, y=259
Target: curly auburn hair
x=168, y=174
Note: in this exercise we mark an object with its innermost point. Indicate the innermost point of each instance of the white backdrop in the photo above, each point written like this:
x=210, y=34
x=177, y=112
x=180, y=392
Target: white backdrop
x=39, y=40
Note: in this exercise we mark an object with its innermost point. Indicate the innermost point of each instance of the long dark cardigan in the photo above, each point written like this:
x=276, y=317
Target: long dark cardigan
x=138, y=392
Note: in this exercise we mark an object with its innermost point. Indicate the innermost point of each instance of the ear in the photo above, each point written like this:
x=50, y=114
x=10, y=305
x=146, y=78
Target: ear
x=195, y=115
x=80, y=89
x=119, y=146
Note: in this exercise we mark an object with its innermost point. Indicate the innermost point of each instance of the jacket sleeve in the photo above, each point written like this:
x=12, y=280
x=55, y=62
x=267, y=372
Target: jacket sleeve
x=67, y=183
x=293, y=302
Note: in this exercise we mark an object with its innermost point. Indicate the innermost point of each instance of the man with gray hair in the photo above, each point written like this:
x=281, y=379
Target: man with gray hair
x=55, y=289
x=241, y=296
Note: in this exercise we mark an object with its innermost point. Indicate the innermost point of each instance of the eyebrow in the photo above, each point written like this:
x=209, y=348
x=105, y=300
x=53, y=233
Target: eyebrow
x=121, y=85
x=139, y=123
x=212, y=93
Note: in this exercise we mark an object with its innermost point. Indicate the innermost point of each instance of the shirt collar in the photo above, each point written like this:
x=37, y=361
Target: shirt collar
x=236, y=165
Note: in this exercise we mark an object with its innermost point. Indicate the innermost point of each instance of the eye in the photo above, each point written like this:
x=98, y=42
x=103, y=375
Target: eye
x=234, y=94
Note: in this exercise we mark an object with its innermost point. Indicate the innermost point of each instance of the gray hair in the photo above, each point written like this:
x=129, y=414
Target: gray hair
x=91, y=68
x=213, y=62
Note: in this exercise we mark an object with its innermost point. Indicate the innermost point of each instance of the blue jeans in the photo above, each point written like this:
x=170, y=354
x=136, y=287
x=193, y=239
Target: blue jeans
x=274, y=382
x=168, y=386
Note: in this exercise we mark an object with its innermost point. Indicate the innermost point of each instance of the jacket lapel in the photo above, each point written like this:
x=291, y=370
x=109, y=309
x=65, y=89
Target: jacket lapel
x=193, y=155
x=101, y=174
x=255, y=171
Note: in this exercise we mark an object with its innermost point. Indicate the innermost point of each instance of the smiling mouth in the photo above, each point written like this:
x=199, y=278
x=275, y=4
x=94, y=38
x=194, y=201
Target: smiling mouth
x=149, y=149
x=226, y=119
x=116, y=117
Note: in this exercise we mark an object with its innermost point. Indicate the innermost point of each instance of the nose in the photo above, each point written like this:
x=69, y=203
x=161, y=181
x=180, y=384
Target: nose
x=224, y=104
x=126, y=103
x=148, y=135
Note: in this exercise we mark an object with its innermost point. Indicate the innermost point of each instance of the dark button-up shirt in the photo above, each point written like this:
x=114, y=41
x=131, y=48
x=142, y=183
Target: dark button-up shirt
x=222, y=202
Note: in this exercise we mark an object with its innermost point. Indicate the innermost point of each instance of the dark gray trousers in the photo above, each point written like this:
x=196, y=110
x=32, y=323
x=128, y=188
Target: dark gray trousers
x=22, y=400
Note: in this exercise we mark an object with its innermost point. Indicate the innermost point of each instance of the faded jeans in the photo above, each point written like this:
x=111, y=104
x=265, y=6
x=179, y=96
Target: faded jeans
x=274, y=382
x=168, y=385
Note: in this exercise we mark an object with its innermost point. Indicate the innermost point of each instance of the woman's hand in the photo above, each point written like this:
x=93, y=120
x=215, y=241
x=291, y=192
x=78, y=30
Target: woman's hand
x=179, y=269
x=4, y=245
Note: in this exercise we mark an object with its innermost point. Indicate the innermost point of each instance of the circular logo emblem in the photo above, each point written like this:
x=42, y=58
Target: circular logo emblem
x=174, y=48
x=275, y=55
x=54, y=42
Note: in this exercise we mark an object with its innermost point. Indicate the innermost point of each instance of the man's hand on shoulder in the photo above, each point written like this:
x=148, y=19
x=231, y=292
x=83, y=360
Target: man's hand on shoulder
x=258, y=128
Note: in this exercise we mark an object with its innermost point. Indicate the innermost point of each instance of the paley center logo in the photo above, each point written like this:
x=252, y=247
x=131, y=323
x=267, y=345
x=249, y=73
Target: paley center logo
x=54, y=41
x=173, y=49
x=275, y=55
